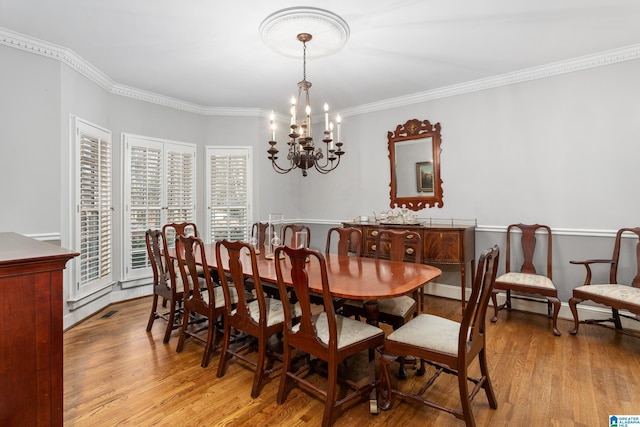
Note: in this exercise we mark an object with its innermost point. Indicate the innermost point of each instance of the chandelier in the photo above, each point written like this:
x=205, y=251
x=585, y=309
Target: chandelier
x=302, y=152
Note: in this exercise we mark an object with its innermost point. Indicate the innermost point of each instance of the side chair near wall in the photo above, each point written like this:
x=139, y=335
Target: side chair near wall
x=208, y=302
x=527, y=279
x=349, y=240
x=166, y=284
x=260, y=318
x=447, y=346
x=325, y=335
x=614, y=294
x=290, y=230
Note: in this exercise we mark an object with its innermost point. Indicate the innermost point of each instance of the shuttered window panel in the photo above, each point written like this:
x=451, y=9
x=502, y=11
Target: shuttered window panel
x=229, y=195
x=95, y=207
x=146, y=200
x=159, y=188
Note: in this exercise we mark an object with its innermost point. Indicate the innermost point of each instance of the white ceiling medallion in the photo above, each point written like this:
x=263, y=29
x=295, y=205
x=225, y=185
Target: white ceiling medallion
x=279, y=31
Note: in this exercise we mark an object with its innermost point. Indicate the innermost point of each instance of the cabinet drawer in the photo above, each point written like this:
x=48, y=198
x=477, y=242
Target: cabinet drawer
x=442, y=246
x=371, y=241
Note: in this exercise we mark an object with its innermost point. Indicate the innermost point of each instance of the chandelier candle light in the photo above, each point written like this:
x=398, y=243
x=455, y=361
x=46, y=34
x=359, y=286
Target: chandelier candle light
x=302, y=152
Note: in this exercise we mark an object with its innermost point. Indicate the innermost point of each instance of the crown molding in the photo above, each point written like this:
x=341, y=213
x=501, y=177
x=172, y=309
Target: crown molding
x=70, y=58
x=609, y=57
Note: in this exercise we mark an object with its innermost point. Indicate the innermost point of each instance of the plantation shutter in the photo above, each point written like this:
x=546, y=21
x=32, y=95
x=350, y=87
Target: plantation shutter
x=95, y=209
x=160, y=188
x=228, y=193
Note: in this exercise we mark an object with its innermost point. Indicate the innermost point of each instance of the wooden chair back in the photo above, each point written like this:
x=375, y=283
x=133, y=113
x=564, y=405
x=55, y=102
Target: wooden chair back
x=349, y=240
x=473, y=322
x=613, y=275
x=259, y=231
x=173, y=229
x=155, y=242
x=292, y=229
x=399, y=245
x=193, y=248
x=235, y=279
x=528, y=243
x=306, y=337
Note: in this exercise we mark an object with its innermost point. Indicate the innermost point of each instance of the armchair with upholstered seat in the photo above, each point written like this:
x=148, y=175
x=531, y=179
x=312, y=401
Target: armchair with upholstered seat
x=527, y=279
x=614, y=294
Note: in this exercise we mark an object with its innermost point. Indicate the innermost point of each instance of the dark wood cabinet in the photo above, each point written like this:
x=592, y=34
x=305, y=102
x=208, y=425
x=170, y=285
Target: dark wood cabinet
x=31, y=334
x=442, y=243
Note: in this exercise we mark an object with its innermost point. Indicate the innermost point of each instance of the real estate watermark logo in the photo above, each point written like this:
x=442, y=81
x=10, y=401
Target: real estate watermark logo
x=624, y=420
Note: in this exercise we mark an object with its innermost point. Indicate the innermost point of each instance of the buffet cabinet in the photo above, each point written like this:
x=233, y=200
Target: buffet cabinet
x=31, y=338
x=441, y=244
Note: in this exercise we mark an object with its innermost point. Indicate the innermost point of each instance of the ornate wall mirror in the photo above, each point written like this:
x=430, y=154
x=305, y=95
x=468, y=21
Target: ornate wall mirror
x=414, y=153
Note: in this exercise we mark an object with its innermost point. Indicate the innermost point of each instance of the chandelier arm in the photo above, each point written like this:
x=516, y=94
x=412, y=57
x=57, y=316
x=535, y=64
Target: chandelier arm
x=282, y=170
x=324, y=169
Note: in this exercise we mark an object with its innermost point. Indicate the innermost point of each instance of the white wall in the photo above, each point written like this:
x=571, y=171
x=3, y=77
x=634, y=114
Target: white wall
x=29, y=117
x=559, y=150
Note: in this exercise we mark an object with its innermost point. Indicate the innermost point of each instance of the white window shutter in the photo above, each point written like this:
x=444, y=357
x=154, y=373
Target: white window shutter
x=94, y=196
x=228, y=193
x=159, y=188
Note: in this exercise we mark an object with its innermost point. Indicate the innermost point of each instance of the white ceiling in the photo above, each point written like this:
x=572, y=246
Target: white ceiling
x=210, y=53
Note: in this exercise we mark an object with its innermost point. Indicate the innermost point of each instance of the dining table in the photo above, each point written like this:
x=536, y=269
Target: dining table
x=350, y=277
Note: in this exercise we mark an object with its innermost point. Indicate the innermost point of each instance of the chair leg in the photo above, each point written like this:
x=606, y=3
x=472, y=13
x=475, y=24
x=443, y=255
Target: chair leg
x=487, y=386
x=185, y=322
x=494, y=300
x=286, y=362
x=224, y=355
x=259, y=374
x=463, y=387
x=332, y=391
x=170, y=320
x=152, y=316
x=574, y=310
x=616, y=319
x=556, y=310
x=208, y=350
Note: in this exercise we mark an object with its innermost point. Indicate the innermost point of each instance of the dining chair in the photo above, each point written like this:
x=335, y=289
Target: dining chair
x=166, y=284
x=259, y=231
x=618, y=292
x=260, y=318
x=174, y=229
x=448, y=346
x=322, y=335
x=527, y=279
x=290, y=231
x=207, y=301
x=349, y=240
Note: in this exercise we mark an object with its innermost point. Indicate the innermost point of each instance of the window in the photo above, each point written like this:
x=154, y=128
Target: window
x=159, y=188
x=94, y=201
x=228, y=192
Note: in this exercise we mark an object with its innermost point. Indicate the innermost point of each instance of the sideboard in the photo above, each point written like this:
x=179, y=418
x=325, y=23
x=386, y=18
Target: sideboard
x=31, y=338
x=442, y=244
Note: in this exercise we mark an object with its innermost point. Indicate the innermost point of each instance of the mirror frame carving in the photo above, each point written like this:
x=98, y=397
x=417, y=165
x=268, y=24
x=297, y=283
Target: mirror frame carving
x=411, y=130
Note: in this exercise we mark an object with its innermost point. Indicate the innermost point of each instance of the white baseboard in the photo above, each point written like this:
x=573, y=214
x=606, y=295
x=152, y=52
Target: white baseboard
x=584, y=311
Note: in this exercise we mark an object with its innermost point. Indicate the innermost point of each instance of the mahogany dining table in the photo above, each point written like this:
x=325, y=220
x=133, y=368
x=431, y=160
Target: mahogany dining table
x=350, y=277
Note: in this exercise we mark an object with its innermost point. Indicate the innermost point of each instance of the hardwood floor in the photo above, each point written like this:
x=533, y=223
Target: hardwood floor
x=117, y=374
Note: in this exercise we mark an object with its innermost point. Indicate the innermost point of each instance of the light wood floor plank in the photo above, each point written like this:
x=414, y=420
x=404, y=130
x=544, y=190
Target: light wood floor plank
x=118, y=374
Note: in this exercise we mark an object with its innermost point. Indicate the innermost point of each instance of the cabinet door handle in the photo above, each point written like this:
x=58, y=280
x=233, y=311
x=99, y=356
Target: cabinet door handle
x=373, y=247
x=409, y=251
x=410, y=236
x=374, y=233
